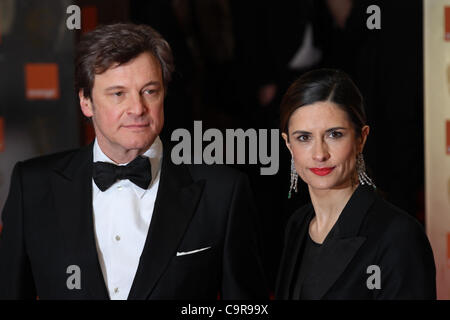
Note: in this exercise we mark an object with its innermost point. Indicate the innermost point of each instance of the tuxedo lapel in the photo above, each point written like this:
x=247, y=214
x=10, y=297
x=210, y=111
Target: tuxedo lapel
x=72, y=190
x=343, y=242
x=175, y=204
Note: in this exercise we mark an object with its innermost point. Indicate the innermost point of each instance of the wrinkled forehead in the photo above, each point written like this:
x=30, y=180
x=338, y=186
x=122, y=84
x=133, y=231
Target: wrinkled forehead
x=141, y=70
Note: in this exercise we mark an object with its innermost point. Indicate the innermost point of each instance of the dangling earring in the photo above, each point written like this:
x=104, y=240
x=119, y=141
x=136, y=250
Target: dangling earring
x=294, y=178
x=361, y=169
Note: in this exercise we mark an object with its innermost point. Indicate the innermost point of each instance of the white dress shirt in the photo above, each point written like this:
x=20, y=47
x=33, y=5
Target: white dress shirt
x=122, y=216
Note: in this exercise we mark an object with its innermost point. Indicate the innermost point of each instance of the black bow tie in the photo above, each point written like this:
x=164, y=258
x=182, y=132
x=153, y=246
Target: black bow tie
x=137, y=171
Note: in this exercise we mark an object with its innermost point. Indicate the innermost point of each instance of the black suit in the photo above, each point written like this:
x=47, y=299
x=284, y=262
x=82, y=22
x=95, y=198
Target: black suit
x=48, y=226
x=369, y=231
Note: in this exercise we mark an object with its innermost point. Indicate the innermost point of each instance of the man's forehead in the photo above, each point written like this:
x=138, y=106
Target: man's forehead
x=144, y=69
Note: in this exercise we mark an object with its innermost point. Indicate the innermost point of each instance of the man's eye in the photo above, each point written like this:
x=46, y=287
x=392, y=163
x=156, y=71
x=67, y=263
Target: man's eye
x=118, y=94
x=149, y=91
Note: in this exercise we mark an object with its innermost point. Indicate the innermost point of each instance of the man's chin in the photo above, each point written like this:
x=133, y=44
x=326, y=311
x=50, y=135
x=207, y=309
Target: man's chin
x=139, y=145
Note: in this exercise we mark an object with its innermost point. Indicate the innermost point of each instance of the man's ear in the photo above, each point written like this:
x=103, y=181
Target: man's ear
x=85, y=104
x=288, y=145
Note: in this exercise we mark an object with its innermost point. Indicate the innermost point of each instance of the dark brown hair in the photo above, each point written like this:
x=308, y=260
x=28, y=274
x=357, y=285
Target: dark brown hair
x=324, y=85
x=118, y=43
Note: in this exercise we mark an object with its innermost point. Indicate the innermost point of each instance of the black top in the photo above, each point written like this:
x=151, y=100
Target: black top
x=305, y=285
x=308, y=257
x=370, y=234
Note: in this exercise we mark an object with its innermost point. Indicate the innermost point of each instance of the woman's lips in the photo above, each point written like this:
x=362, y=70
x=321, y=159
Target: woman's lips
x=321, y=171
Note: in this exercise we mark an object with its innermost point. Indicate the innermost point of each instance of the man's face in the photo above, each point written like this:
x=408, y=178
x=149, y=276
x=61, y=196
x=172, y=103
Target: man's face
x=127, y=107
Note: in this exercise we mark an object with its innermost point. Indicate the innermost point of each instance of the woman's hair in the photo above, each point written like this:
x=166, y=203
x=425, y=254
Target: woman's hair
x=324, y=85
x=118, y=43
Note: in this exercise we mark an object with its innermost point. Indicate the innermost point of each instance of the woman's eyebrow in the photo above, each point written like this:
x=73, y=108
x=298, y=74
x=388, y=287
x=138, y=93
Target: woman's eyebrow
x=328, y=130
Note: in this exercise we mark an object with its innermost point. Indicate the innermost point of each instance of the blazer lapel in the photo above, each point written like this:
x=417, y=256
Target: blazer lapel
x=175, y=204
x=343, y=242
x=72, y=189
x=291, y=256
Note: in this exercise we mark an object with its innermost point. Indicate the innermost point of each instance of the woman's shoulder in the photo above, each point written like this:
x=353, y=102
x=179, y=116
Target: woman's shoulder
x=394, y=223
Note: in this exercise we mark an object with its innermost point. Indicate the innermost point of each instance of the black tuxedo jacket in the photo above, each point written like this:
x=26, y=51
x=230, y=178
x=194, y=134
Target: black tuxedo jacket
x=369, y=231
x=48, y=226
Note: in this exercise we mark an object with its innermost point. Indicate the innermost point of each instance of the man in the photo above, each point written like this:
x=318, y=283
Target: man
x=117, y=219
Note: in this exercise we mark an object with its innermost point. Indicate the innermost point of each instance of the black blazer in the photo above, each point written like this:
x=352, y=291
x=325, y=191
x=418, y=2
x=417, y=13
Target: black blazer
x=48, y=226
x=369, y=231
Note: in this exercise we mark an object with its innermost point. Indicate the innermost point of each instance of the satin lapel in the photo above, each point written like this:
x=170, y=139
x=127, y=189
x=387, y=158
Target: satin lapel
x=343, y=243
x=175, y=204
x=72, y=189
x=291, y=256
x=334, y=259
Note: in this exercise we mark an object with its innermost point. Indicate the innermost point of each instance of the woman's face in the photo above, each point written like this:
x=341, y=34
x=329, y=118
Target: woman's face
x=324, y=146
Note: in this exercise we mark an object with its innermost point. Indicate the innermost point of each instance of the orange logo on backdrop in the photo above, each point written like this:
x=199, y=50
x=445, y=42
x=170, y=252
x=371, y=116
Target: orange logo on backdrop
x=448, y=136
x=447, y=23
x=2, y=134
x=89, y=18
x=448, y=249
x=42, y=81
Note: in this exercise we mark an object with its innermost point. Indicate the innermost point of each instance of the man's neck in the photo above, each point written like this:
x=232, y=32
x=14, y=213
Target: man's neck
x=121, y=156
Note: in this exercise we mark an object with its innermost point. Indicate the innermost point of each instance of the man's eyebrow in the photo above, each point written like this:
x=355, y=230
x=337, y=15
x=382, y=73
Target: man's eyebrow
x=114, y=88
x=119, y=87
x=152, y=83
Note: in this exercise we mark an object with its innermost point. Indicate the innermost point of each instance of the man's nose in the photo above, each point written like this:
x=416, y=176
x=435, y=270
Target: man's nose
x=137, y=105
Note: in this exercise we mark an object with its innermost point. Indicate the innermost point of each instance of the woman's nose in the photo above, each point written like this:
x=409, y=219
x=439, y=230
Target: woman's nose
x=320, y=151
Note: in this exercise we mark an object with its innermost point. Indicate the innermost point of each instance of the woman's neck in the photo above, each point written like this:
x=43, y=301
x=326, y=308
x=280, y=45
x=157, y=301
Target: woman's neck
x=328, y=205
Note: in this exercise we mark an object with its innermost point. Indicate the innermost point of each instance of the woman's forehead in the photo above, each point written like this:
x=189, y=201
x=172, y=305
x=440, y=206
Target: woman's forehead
x=318, y=115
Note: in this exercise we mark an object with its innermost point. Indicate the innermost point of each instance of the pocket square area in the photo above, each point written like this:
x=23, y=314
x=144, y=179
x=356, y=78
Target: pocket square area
x=183, y=253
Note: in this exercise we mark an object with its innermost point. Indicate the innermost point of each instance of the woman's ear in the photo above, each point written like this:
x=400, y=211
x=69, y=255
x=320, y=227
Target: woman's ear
x=85, y=104
x=364, y=133
x=286, y=141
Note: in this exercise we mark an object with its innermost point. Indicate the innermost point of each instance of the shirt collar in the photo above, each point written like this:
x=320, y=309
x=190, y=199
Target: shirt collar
x=154, y=153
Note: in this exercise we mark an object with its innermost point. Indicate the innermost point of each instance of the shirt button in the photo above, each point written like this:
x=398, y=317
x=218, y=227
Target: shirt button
x=117, y=238
x=119, y=188
x=116, y=290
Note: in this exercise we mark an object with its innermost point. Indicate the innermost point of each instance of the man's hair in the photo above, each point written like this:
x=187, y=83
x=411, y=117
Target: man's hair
x=118, y=43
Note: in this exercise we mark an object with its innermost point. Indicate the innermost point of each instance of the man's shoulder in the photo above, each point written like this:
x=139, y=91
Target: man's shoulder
x=49, y=161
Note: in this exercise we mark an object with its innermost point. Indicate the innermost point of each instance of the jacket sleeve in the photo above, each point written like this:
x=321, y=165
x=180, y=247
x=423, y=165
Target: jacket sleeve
x=16, y=280
x=406, y=264
x=242, y=276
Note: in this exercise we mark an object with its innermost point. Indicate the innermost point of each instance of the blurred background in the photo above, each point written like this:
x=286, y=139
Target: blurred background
x=234, y=60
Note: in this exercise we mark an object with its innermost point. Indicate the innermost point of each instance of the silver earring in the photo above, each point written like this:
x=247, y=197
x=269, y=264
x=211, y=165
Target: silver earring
x=361, y=169
x=294, y=178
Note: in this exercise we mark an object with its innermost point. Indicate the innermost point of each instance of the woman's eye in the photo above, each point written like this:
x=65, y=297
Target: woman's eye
x=335, y=134
x=303, y=137
x=149, y=91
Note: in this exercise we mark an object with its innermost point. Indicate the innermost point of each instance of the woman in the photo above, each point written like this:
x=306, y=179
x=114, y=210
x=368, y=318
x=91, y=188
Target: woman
x=348, y=243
